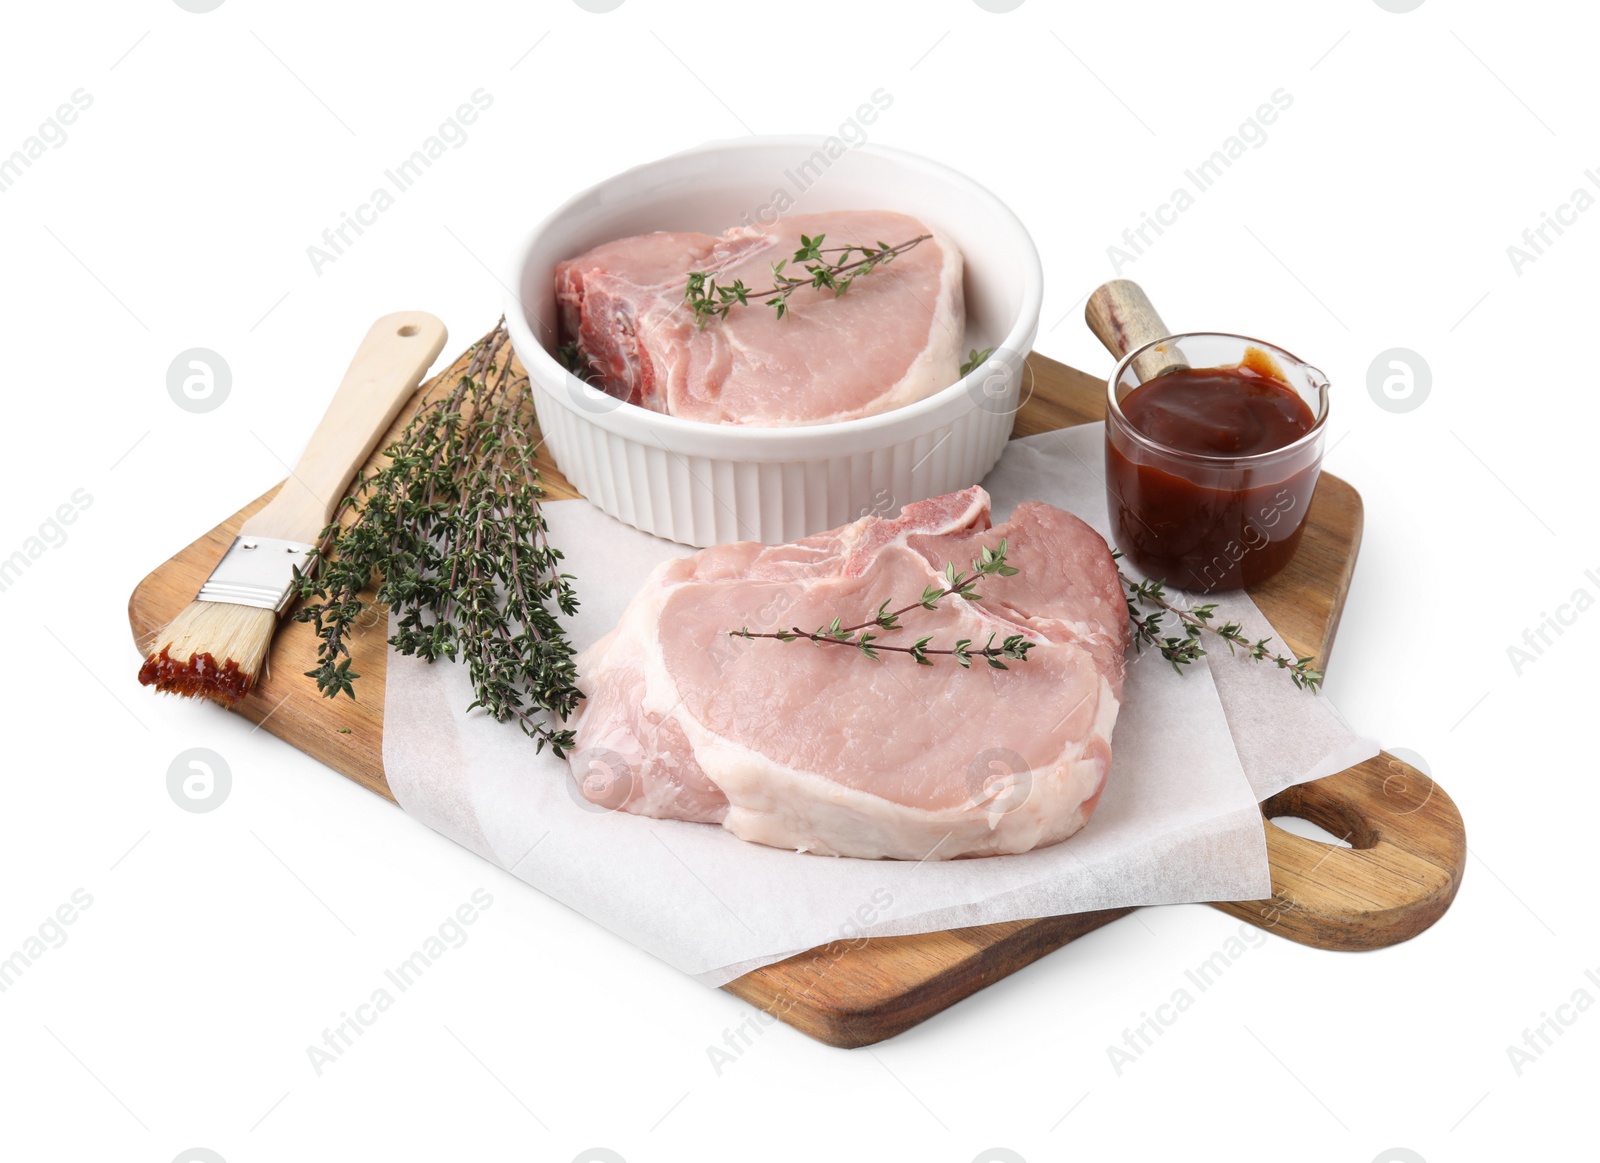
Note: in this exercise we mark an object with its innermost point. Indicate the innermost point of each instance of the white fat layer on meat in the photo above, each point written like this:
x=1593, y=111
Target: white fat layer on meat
x=938, y=364
x=775, y=804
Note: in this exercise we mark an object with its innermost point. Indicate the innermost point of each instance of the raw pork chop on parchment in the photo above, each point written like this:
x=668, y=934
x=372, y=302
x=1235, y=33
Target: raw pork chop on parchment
x=820, y=749
x=893, y=338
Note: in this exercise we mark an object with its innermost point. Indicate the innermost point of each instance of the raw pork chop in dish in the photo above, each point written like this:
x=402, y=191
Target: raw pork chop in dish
x=820, y=749
x=893, y=338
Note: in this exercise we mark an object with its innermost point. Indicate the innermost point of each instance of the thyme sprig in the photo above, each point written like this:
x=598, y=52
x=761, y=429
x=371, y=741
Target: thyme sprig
x=975, y=359
x=451, y=525
x=572, y=357
x=1182, y=650
x=990, y=563
x=831, y=268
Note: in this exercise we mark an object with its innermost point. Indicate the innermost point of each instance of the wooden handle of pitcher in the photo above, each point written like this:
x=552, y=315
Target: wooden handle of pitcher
x=1122, y=317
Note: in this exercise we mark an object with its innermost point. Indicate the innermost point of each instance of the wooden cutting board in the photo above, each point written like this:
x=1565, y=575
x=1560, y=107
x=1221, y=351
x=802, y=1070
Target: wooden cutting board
x=1408, y=847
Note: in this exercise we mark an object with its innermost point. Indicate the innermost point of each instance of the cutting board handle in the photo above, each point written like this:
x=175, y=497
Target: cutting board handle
x=1408, y=850
x=1122, y=317
x=397, y=352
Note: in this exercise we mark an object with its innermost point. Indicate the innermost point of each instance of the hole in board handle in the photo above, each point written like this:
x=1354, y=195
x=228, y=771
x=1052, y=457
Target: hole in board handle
x=1343, y=820
x=1300, y=826
x=408, y=330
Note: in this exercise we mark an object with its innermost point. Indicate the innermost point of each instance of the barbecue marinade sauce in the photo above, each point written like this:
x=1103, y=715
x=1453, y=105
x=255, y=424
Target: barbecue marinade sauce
x=1232, y=529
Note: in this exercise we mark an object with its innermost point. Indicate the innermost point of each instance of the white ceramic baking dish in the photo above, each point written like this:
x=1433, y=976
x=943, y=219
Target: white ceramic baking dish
x=704, y=484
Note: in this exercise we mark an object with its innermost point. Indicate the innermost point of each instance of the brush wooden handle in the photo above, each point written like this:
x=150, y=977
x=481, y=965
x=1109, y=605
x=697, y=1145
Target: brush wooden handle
x=386, y=370
x=1122, y=317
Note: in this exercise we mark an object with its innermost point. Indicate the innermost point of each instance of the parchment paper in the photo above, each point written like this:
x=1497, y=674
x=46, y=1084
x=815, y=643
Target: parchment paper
x=1178, y=820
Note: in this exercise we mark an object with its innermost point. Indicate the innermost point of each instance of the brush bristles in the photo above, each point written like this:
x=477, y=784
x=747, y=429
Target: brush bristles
x=186, y=660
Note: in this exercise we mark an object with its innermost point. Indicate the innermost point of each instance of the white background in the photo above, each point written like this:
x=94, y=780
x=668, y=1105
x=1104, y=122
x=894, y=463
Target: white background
x=1377, y=214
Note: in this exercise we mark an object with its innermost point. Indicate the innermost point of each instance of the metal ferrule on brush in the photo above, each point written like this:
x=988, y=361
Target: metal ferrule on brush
x=257, y=571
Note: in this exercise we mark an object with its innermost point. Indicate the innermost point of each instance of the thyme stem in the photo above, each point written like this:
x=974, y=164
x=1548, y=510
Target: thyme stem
x=1197, y=621
x=990, y=563
x=713, y=300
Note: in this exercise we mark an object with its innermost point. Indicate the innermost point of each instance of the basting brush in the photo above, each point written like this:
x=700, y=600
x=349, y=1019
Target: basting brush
x=218, y=644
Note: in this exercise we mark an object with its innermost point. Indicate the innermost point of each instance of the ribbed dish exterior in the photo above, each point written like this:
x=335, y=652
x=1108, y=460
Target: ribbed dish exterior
x=702, y=500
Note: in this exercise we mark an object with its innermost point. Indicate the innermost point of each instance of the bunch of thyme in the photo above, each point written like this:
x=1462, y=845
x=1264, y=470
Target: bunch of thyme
x=1148, y=630
x=990, y=563
x=831, y=268
x=451, y=525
